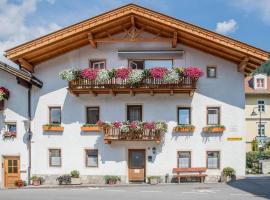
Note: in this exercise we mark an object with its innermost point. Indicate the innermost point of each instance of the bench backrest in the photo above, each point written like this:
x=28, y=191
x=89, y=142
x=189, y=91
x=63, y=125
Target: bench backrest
x=192, y=169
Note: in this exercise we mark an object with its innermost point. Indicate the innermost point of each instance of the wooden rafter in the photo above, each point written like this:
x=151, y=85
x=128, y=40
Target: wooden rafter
x=174, y=41
x=26, y=65
x=243, y=64
x=92, y=40
x=132, y=20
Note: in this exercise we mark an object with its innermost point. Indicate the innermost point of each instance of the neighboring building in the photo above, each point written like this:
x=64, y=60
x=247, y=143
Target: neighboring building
x=140, y=38
x=257, y=90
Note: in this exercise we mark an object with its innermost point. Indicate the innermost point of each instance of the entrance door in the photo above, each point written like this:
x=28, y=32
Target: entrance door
x=11, y=170
x=136, y=165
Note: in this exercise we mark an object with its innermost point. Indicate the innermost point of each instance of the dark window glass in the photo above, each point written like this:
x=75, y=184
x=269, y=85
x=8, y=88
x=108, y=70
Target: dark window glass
x=55, y=115
x=98, y=64
x=184, y=159
x=137, y=159
x=211, y=72
x=184, y=116
x=92, y=115
x=91, y=158
x=213, y=160
x=136, y=64
x=11, y=127
x=134, y=113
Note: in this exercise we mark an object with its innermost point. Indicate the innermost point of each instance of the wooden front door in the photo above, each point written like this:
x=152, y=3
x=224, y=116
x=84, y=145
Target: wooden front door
x=136, y=164
x=11, y=170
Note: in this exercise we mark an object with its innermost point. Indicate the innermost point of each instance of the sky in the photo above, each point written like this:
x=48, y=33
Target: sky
x=244, y=20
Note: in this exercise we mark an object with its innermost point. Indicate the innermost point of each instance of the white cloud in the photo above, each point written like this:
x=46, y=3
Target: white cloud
x=258, y=7
x=226, y=27
x=13, y=23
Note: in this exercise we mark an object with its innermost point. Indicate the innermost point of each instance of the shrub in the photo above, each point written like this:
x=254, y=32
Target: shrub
x=20, y=183
x=38, y=178
x=75, y=174
x=70, y=74
x=111, y=179
x=253, y=156
x=228, y=172
x=66, y=179
x=254, y=145
x=154, y=178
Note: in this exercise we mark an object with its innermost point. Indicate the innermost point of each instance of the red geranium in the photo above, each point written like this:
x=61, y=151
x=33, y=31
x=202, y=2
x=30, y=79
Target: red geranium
x=158, y=72
x=117, y=124
x=193, y=72
x=123, y=72
x=4, y=93
x=90, y=74
x=149, y=125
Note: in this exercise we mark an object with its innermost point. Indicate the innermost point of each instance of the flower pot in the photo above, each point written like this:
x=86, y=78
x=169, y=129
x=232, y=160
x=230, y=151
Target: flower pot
x=53, y=128
x=90, y=128
x=153, y=181
x=36, y=182
x=184, y=129
x=112, y=182
x=76, y=181
x=213, y=129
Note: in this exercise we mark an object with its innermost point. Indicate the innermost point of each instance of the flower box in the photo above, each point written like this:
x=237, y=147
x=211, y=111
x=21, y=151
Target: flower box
x=10, y=135
x=184, y=129
x=95, y=128
x=53, y=128
x=214, y=129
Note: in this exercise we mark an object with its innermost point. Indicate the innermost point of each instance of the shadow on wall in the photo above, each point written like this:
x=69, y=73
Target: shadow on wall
x=207, y=136
x=257, y=185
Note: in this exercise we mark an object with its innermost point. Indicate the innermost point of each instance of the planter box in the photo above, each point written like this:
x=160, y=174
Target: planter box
x=213, y=130
x=36, y=182
x=76, y=181
x=90, y=128
x=53, y=128
x=184, y=129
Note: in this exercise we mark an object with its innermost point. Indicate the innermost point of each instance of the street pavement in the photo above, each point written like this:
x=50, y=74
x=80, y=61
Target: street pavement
x=249, y=188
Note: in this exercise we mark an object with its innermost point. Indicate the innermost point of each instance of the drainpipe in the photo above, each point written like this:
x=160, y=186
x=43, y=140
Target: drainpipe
x=29, y=134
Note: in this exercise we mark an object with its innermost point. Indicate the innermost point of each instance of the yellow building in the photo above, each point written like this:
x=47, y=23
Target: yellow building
x=257, y=89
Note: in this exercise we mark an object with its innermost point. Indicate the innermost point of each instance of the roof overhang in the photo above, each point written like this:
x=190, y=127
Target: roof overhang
x=131, y=20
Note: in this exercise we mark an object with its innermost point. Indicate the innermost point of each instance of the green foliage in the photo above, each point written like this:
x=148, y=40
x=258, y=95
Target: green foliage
x=254, y=145
x=228, y=172
x=264, y=68
x=158, y=178
x=252, y=156
x=89, y=125
x=111, y=179
x=53, y=125
x=38, y=178
x=75, y=174
x=185, y=126
x=66, y=179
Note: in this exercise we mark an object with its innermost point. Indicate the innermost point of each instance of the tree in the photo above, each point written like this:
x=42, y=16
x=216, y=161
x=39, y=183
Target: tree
x=264, y=68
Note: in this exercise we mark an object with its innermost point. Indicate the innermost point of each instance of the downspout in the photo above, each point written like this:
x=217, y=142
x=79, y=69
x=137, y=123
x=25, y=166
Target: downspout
x=29, y=134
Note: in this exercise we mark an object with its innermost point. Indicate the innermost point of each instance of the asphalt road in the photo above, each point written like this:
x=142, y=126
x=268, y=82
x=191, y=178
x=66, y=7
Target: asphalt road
x=250, y=188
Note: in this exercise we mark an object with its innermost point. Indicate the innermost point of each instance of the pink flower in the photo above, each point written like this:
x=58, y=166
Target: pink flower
x=89, y=74
x=123, y=72
x=158, y=72
x=133, y=125
x=193, y=72
x=117, y=124
x=149, y=125
x=5, y=92
x=100, y=123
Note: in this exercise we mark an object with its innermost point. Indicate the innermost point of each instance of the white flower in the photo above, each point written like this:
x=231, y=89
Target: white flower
x=171, y=76
x=102, y=76
x=70, y=74
x=135, y=76
x=124, y=129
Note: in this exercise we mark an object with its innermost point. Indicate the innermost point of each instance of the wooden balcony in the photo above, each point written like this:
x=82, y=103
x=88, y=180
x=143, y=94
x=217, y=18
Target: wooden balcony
x=147, y=85
x=114, y=134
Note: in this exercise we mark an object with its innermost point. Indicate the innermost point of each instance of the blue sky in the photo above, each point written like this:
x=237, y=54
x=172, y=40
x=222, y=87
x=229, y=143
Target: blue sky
x=245, y=20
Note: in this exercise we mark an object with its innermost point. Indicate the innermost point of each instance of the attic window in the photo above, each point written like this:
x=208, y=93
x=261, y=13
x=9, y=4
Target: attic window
x=97, y=64
x=260, y=83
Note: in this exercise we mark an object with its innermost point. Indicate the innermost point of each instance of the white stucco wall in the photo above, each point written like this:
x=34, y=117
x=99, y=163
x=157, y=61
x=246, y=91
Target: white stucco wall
x=226, y=91
x=15, y=111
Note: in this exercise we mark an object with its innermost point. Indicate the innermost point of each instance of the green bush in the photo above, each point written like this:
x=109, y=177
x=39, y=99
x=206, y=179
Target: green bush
x=75, y=174
x=158, y=178
x=66, y=179
x=228, y=172
x=111, y=179
x=252, y=156
x=254, y=145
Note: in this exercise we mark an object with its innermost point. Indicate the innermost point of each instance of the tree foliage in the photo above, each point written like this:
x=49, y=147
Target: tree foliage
x=264, y=68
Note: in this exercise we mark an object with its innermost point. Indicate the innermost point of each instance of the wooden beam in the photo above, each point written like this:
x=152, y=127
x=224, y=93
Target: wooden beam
x=174, y=40
x=26, y=65
x=91, y=40
x=243, y=64
x=171, y=93
x=132, y=20
x=160, y=39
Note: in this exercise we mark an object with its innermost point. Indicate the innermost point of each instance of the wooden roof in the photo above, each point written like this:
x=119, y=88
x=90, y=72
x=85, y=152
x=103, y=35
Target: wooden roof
x=133, y=19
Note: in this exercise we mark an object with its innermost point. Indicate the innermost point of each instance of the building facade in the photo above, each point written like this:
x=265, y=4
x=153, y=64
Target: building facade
x=62, y=109
x=257, y=89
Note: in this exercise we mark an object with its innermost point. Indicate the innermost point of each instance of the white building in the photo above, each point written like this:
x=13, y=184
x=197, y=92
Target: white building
x=130, y=36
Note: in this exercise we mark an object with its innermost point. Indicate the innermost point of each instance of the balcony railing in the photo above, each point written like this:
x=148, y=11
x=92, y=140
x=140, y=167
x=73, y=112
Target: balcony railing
x=149, y=85
x=114, y=134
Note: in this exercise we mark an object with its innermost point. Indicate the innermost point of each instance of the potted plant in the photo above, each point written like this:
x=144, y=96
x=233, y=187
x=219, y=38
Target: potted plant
x=153, y=180
x=64, y=179
x=90, y=128
x=19, y=183
x=36, y=180
x=9, y=135
x=214, y=129
x=53, y=127
x=184, y=128
x=4, y=95
x=75, y=177
x=111, y=179
x=228, y=174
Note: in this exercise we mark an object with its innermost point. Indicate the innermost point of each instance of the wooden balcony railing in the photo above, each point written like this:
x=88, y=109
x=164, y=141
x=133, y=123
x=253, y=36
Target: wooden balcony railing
x=114, y=134
x=147, y=85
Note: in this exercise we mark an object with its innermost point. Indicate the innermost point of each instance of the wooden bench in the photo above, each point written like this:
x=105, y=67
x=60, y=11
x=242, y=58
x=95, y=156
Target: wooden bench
x=190, y=172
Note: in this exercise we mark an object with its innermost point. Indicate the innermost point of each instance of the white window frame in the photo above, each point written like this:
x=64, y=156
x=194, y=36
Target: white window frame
x=260, y=106
x=263, y=124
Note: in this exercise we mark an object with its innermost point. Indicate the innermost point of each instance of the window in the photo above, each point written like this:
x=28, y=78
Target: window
x=261, y=131
x=184, y=159
x=55, y=115
x=11, y=127
x=213, y=160
x=184, y=116
x=261, y=105
x=147, y=64
x=213, y=116
x=55, y=157
x=92, y=115
x=211, y=72
x=91, y=158
x=134, y=113
x=97, y=64
x=260, y=83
